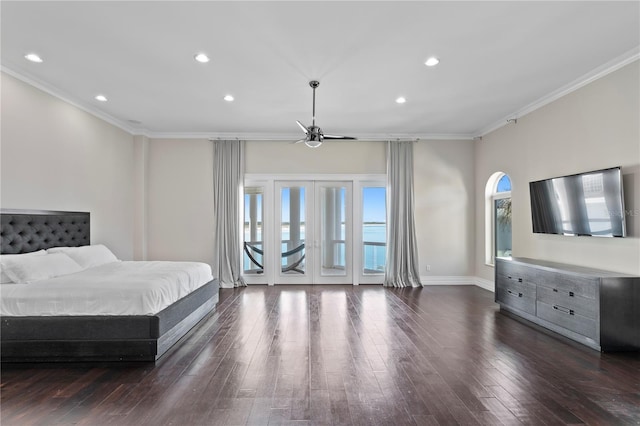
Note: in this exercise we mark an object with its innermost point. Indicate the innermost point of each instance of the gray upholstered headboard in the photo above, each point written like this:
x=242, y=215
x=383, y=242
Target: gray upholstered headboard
x=24, y=231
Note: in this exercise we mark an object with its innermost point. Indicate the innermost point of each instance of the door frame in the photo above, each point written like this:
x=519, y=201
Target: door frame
x=267, y=180
x=309, y=233
x=318, y=277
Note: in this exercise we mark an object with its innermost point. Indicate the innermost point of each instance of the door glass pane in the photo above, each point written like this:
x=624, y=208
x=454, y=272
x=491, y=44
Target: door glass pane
x=333, y=230
x=502, y=214
x=253, y=230
x=292, y=230
x=374, y=229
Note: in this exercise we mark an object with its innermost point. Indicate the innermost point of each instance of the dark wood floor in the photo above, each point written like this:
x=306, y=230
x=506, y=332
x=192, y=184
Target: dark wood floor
x=341, y=355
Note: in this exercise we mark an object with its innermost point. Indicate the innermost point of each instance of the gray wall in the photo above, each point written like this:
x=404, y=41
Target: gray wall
x=180, y=187
x=594, y=127
x=58, y=157
x=444, y=197
x=180, y=200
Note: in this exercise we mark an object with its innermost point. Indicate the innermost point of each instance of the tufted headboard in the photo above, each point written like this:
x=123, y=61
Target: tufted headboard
x=24, y=231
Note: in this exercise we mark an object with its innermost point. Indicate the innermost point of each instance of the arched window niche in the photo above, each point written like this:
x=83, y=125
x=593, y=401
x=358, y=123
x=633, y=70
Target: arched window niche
x=497, y=217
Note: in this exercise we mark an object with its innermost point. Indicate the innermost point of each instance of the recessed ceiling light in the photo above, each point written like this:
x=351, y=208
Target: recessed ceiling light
x=432, y=61
x=401, y=100
x=202, y=58
x=228, y=98
x=101, y=98
x=33, y=58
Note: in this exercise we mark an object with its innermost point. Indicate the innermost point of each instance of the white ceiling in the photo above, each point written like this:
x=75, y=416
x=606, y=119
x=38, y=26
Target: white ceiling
x=498, y=60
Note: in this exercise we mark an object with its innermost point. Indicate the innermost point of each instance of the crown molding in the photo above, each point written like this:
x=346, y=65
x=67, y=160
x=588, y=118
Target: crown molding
x=370, y=137
x=135, y=131
x=599, y=72
x=57, y=93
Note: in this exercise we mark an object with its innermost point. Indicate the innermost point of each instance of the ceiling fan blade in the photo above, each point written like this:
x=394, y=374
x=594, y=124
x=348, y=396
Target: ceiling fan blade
x=325, y=136
x=303, y=127
x=300, y=141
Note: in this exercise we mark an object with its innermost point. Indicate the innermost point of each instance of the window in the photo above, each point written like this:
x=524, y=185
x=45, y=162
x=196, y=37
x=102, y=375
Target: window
x=253, y=230
x=374, y=229
x=497, y=217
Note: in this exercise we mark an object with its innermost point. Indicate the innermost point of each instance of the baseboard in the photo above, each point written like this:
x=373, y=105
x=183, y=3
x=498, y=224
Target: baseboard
x=457, y=280
x=486, y=284
x=447, y=280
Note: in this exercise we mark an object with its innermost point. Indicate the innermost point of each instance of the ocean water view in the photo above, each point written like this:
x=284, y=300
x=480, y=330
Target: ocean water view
x=374, y=241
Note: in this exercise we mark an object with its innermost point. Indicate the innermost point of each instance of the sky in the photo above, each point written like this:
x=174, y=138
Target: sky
x=504, y=184
x=374, y=207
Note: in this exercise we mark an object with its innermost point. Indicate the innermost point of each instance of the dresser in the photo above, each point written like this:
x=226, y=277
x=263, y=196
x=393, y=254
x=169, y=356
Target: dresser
x=600, y=309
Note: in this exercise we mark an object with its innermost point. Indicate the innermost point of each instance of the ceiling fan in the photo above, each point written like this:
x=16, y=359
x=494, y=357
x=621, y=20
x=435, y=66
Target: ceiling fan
x=313, y=134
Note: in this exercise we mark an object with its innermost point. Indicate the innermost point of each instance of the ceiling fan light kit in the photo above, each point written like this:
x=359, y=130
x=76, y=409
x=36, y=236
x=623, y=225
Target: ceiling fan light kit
x=314, y=135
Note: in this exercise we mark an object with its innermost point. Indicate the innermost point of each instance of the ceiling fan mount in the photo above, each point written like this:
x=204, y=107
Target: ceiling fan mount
x=314, y=136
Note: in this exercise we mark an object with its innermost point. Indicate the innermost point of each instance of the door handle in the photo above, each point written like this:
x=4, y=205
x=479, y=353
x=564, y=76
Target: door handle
x=570, y=293
x=563, y=309
x=514, y=294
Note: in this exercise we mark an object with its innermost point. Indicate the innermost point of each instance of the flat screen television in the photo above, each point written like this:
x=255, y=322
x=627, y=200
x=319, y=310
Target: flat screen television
x=590, y=204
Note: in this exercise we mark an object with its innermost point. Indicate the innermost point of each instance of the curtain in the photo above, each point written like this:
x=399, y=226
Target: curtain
x=228, y=176
x=402, y=268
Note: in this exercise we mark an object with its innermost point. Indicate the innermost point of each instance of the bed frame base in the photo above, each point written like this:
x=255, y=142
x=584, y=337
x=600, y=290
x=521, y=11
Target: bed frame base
x=104, y=338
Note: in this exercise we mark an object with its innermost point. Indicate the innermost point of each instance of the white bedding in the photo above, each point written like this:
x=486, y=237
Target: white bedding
x=117, y=288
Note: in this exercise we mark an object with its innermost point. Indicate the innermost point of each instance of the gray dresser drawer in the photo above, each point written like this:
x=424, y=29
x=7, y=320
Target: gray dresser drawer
x=580, y=305
x=514, y=270
x=567, y=318
x=516, y=300
x=517, y=295
x=579, y=286
x=517, y=285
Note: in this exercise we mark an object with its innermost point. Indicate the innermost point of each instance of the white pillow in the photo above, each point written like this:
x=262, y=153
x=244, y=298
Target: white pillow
x=35, y=268
x=87, y=256
x=4, y=278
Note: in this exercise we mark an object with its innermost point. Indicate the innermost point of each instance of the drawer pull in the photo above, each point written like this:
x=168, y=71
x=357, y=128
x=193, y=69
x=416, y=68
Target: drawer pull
x=563, y=309
x=519, y=280
x=570, y=293
x=514, y=294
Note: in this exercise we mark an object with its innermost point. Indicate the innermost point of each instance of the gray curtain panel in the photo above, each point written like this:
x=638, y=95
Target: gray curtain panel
x=228, y=179
x=402, y=268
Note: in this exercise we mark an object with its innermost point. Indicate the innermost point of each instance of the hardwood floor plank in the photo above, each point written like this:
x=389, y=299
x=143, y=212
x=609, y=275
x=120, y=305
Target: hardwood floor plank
x=260, y=412
x=527, y=412
x=340, y=355
x=340, y=413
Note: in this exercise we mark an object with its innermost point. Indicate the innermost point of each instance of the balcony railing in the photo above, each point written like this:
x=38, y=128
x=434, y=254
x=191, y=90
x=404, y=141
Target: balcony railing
x=374, y=257
x=252, y=251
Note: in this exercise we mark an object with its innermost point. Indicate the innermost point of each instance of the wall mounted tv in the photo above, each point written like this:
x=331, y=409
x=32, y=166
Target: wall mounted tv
x=590, y=204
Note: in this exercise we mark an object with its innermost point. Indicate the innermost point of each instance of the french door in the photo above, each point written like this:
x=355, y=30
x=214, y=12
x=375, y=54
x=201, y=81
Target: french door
x=308, y=230
x=313, y=232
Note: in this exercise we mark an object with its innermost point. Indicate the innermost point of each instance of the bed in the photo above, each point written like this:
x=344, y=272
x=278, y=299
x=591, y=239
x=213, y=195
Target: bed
x=98, y=327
